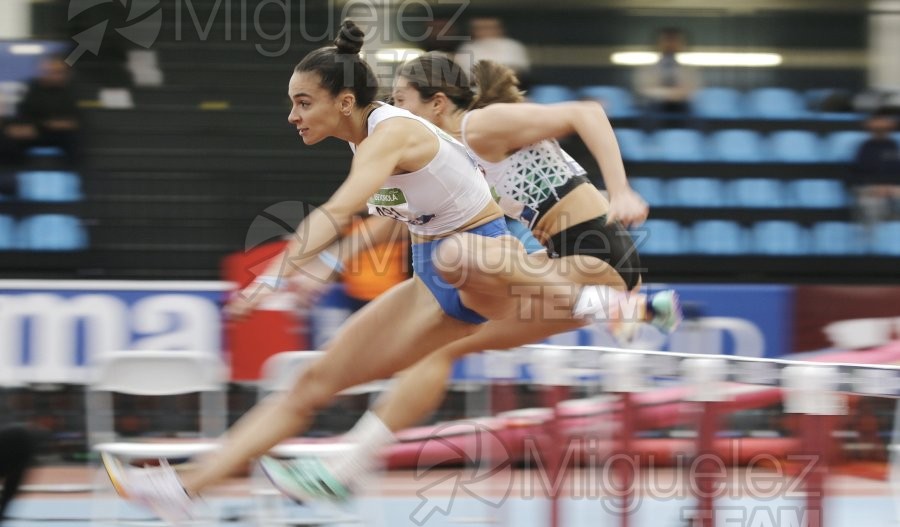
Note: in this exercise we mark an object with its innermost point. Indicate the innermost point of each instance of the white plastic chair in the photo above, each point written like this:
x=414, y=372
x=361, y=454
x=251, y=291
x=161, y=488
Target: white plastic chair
x=153, y=374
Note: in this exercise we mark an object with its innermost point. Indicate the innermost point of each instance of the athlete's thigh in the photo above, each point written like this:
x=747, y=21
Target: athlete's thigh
x=389, y=334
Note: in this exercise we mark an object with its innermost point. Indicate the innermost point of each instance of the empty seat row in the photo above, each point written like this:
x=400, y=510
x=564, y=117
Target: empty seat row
x=748, y=192
x=707, y=103
x=42, y=232
x=773, y=238
x=739, y=146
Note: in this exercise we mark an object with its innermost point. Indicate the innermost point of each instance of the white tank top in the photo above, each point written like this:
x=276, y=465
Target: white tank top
x=440, y=197
x=527, y=177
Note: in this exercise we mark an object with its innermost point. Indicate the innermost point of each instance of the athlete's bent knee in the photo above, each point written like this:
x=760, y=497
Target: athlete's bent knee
x=312, y=391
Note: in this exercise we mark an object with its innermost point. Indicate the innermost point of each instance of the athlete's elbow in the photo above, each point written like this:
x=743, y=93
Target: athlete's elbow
x=339, y=213
x=591, y=108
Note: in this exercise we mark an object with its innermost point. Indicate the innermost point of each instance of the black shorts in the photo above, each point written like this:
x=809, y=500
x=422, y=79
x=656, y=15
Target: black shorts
x=611, y=243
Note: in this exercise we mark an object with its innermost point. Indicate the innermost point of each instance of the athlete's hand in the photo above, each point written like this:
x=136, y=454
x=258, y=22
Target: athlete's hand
x=307, y=289
x=628, y=208
x=243, y=302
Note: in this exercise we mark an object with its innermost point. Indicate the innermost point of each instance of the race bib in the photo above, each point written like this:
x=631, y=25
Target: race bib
x=391, y=203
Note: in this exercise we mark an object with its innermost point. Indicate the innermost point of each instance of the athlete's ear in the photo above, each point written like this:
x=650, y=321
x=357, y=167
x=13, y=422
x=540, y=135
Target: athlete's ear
x=440, y=104
x=346, y=102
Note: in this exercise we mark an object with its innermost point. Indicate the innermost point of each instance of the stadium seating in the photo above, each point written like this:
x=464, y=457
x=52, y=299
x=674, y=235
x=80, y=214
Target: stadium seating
x=49, y=186
x=717, y=103
x=841, y=146
x=551, y=93
x=718, y=237
x=886, y=239
x=696, y=192
x=737, y=146
x=775, y=103
x=52, y=232
x=778, y=238
x=651, y=189
x=679, y=145
x=7, y=233
x=617, y=102
x=817, y=193
x=664, y=237
x=837, y=238
x=761, y=193
x=795, y=146
x=632, y=144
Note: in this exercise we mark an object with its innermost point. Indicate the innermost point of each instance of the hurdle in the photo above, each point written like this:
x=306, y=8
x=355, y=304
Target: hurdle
x=815, y=391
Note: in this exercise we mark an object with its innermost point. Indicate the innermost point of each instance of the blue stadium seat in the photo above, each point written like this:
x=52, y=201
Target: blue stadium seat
x=7, y=233
x=45, y=151
x=550, y=93
x=795, y=146
x=718, y=237
x=778, y=237
x=52, y=232
x=817, y=193
x=761, y=193
x=841, y=146
x=651, y=189
x=659, y=237
x=836, y=238
x=679, y=145
x=617, y=102
x=717, y=103
x=49, y=186
x=632, y=144
x=696, y=192
x=886, y=239
x=816, y=98
x=775, y=103
x=737, y=146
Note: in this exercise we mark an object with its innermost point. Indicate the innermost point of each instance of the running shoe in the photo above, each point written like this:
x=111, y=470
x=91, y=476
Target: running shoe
x=304, y=479
x=664, y=311
x=156, y=488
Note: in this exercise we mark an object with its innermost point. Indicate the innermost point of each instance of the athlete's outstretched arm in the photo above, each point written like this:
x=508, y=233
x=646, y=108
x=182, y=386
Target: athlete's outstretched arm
x=501, y=128
x=376, y=159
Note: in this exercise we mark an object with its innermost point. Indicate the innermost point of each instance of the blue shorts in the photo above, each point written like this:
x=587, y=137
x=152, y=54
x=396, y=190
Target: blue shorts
x=524, y=234
x=447, y=295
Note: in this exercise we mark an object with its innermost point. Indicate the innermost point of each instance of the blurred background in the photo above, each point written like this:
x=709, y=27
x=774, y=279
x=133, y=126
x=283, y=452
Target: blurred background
x=146, y=162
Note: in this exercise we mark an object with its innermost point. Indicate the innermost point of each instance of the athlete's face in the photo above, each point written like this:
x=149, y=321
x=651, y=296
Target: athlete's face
x=314, y=111
x=406, y=97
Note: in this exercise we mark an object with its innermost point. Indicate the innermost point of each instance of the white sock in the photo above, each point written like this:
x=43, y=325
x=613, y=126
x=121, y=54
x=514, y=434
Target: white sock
x=370, y=436
x=603, y=303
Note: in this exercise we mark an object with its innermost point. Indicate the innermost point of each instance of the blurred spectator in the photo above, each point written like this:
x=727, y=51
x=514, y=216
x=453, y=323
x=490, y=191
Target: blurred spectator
x=16, y=451
x=489, y=42
x=876, y=171
x=668, y=86
x=441, y=37
x=46, y=116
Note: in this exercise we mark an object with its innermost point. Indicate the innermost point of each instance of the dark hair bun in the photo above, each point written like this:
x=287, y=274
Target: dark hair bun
x=350, y=38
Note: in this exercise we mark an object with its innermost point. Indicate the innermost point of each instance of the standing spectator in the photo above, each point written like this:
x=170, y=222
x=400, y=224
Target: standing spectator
x=8, y=157
x=48, y=114
x=876, y=171
x=668, y=86
x=489, y=42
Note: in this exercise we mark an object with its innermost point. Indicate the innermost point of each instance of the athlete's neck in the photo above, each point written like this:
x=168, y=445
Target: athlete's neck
x=356, y=125
x=452, y=123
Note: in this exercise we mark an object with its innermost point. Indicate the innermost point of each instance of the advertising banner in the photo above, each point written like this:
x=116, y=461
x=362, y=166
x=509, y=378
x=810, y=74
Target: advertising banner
x=50, y=330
